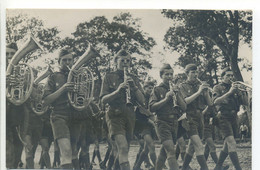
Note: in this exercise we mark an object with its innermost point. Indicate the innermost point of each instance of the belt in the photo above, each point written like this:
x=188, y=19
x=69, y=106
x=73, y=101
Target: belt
x=228, y=111
x=167, y=116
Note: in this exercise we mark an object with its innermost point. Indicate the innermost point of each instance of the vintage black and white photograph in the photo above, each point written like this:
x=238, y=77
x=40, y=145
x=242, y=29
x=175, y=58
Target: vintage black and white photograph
x=125, y=89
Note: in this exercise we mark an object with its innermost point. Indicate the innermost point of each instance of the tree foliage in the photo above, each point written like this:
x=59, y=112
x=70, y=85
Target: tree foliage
x=209, y=38
x=21, y=25
x=108, y=37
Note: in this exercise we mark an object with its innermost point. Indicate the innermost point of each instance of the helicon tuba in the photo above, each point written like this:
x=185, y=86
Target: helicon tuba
x=20, y=90
x=83, y=81
x=37, y=104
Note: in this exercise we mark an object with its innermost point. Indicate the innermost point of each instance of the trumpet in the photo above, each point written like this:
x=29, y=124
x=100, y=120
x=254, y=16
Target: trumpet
x=174, y=98
x=242, y=86
x=128, y=92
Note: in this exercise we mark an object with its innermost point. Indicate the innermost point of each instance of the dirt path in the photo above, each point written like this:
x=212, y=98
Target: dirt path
x=244, y=154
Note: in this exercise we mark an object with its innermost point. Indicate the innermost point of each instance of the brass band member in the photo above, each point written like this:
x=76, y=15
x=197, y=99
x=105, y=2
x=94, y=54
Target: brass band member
x=56, y=95
x=197, y=97
x=144, y=128
x=120, y=116
x=228, y=99
x=14, y=118
x=161, y=102
x=31, y=129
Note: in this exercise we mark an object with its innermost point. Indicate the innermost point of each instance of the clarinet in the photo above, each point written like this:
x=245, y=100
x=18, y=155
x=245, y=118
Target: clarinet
x=128, y=93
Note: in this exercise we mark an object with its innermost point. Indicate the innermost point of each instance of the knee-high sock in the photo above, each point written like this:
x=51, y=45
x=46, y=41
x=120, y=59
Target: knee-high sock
x=75, y=163
x=177, y=152
x=206, y=152
x=153, y=158
x=214, y=157
x=222, y=156
x=98, y=156
x=111, y=161
x=160, y=163
x=202, y=161
x=187, y=160
x=140, y=159
x=234, y=158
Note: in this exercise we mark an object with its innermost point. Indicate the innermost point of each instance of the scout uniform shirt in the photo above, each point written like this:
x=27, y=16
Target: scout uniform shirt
x=195, y=108
x=55, y=81
x=167, y=112
x=110, y=84
x=230, y=106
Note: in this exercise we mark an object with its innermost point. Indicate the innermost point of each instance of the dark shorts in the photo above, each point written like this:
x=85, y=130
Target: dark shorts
x=243, y=132
x=142, y=128
x=196, y=126
x=47, y=130
x=208, y=129
x=181, y=131
x=228, y=126
x=121, y=121
x=167, y=130
x=87, y=131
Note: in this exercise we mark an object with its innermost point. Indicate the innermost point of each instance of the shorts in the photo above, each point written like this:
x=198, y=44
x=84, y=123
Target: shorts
x=196, y=126
x=86, y=131
x=167, y=130
x=63, y=127
x=142, y=128
x=181, y=130
x=121, y=121
x=47, y=130
x=228, y=126
x=243, y=132
x=208, y=129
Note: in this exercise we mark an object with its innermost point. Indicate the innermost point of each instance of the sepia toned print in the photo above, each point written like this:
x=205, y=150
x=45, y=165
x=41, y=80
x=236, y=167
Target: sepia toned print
x=136, y=89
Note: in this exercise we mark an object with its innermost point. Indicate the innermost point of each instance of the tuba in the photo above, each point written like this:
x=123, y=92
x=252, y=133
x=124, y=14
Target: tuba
x=37, y=105
x=82, y=78
x=19, y=91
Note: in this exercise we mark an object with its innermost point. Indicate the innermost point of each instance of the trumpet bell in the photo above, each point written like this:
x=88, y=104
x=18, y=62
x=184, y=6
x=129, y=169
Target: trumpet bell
x=82, y=93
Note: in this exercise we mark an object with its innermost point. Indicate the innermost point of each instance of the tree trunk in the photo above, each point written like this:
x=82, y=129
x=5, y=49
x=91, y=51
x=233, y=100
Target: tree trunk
x=234, y=50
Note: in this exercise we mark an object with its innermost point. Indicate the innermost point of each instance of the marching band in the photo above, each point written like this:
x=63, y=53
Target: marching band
x=66, y=111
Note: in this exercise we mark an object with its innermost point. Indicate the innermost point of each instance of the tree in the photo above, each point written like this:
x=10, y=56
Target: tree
x=209, y=38
x=108, y=38
x=18, y=26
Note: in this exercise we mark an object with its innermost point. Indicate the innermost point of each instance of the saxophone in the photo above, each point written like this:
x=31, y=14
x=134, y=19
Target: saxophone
x=18, y=92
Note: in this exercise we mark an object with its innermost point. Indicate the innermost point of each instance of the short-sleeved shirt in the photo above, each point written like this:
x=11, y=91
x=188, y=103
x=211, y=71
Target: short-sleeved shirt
x=157, y=95
x=139, y=115
x=110, y=83
x=55, y=81
x=188, y=88
x=231, y=103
